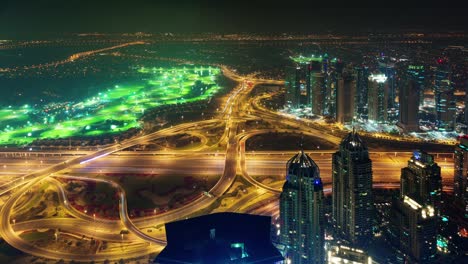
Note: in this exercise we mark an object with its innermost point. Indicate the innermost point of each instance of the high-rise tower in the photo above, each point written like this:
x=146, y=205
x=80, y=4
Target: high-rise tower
x=318, y=86
x=377, y=98
x=352, y=191
x=460, y=181
x=409, y=96
x=413, y=219
x=297, y=81
x=362, y=75
x=444, y=97
x=345, y=97
x=301, y=211
x=421, y=179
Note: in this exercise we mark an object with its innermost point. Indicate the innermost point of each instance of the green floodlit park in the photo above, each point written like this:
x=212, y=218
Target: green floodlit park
x=113, y=110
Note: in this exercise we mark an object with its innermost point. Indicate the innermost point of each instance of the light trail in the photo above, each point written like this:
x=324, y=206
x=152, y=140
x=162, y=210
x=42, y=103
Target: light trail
x=94, y=158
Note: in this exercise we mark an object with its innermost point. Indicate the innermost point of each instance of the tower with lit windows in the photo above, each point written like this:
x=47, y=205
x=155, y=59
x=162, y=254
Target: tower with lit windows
x=421, y=179
x=413, y=218
x=362, y=82
x=445, y=102
x=345, y=97
x=460, y=181
x=377, y=98
x=301, y=212
x=388, y=69
x=412, y=86
x=352, y=203
x=299, y=81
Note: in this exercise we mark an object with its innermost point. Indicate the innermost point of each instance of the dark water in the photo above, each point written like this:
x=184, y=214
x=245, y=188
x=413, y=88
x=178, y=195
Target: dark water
x=36, y=55
x=69, y=82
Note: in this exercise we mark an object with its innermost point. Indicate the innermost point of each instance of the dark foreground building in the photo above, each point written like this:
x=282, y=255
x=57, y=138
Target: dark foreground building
x=220, y=238
x=413, y=218
x=460, y=181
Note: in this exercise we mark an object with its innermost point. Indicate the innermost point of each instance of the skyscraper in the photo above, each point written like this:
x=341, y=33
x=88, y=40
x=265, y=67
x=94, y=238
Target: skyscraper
x=460, y=181
x=362, y=82
x=421, y=179
x=466, y=104
x=334, y=74
x=413, y=219
x=413, y=228
x=318, y=85
x=345, y=98
x=301, y=211
x=444, y=97
x=388, y=69
x=352, y=191
x=411, y=86
x=295, y=83
x=377, y=98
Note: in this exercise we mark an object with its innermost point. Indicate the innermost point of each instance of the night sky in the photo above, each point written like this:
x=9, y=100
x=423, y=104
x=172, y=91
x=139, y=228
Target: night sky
x=55, y=17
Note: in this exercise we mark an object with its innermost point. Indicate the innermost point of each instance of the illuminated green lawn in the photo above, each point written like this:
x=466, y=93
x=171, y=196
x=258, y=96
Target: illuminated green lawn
x=114, y=110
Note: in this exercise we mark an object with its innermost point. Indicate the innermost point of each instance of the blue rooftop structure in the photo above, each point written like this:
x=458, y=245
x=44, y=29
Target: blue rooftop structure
x=220, y=238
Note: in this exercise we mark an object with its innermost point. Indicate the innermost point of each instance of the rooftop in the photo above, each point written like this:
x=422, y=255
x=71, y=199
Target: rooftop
x=379, y=78
x=353, y=142
x=220, y=238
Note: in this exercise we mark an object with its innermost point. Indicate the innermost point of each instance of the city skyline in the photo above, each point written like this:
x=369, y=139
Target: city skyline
x=230, y=132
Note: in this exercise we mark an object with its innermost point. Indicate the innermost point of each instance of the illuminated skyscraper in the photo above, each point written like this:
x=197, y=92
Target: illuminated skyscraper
x=444, y=97
x=377, y=98
x=352, y=191
x=297, y=82
x=301, y=212
x=318, y=85
x=460, y=181
x=466, y=103
x=388, y=69
x=413, y=228
x=421, y=179
x=411, y=86
x=413, y=219
x=334, y=74
x=362, y=82
x=345, y=98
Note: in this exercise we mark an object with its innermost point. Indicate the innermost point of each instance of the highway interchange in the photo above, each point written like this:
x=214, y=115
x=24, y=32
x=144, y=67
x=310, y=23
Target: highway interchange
x=22, y=172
